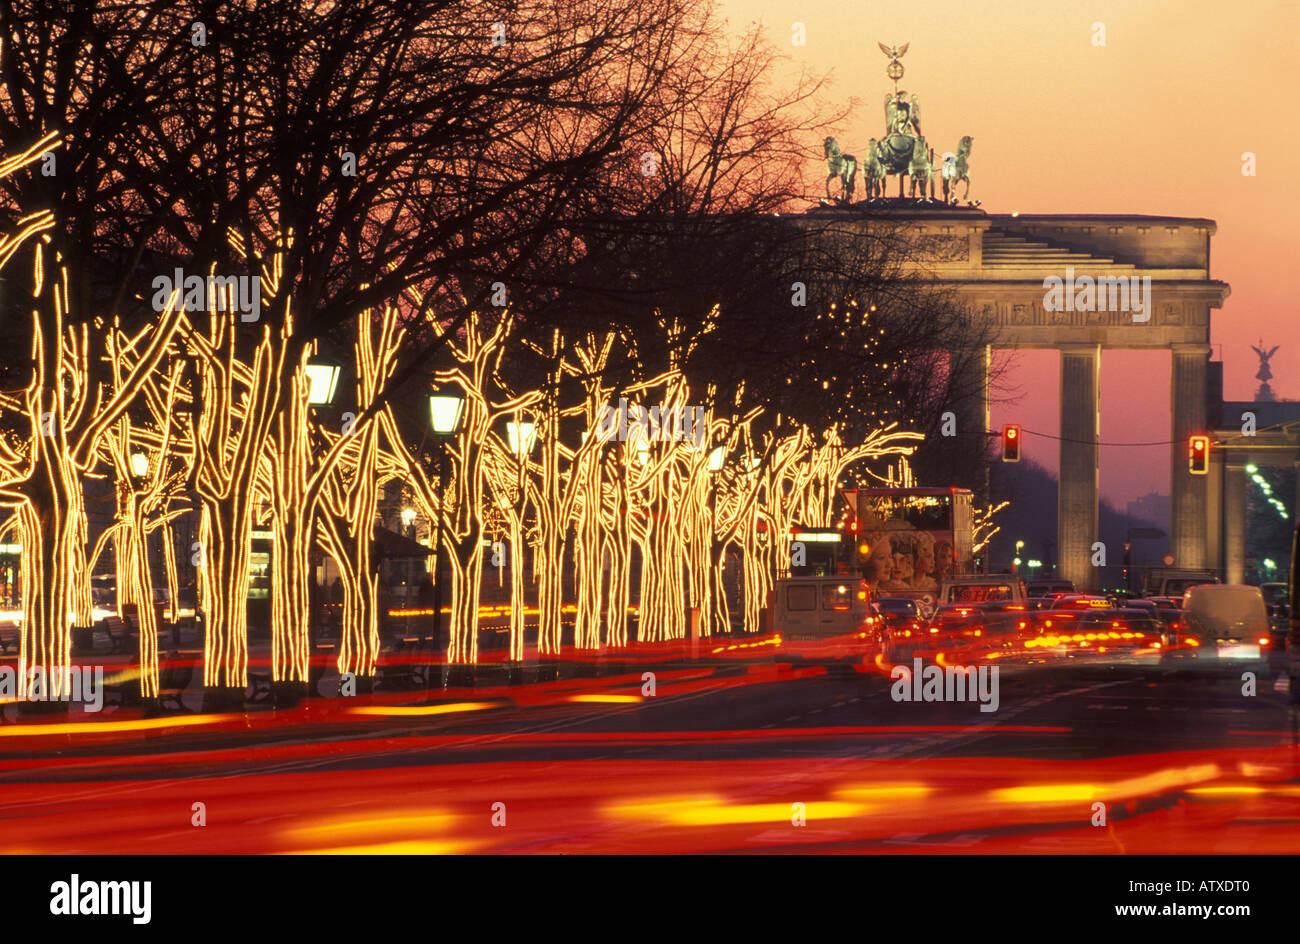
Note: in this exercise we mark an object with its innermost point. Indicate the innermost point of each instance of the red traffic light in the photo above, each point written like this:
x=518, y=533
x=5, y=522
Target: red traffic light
x=1011, y=443
x=1198, y=453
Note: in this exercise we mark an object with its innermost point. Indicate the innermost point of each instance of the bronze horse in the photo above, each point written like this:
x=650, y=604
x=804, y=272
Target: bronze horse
x=843, y=166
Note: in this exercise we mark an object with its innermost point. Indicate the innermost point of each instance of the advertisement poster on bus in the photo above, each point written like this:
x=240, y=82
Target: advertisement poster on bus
x=910, y=540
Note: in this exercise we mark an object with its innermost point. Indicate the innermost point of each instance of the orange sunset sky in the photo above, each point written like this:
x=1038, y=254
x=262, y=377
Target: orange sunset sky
x=1156, y=122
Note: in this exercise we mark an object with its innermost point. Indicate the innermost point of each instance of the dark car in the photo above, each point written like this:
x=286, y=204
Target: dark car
x=1096, y=634
x=1278, y=600
x=1047, y=588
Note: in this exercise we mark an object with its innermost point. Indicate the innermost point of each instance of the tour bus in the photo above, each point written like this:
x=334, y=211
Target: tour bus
x=911, y=541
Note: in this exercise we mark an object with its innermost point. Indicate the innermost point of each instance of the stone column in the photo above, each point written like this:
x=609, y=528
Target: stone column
x=973, y=367
x=1188, y=506
x=1234, y=523
x=1077, y=495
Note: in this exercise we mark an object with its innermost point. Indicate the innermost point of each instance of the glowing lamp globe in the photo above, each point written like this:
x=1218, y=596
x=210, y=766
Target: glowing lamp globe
x=445, y=413
x=322, y=379
x=522, y=437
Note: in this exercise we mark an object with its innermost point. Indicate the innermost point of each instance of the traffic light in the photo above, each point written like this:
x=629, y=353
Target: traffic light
x=1198, y=455
x=1010, y=443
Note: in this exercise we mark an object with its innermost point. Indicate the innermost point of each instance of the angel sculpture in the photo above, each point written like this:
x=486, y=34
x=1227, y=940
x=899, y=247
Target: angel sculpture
x=902, y=116
x=1264, y=373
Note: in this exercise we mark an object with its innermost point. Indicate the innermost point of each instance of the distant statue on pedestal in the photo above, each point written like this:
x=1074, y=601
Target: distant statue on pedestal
x=1264, y=375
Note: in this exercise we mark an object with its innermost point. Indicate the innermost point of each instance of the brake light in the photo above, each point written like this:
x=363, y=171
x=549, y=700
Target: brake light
x=1264, y=640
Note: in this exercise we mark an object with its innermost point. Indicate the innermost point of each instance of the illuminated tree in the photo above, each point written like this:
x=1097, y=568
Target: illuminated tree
x=56, y=426
x=350, y=496
x=476, y=351
x=149, y=464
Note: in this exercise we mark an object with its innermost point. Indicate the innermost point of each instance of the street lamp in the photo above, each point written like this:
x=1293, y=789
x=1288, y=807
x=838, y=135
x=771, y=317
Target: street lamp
x=139, y=464
x=445, y=414
x=717, y=456
x=322, y=380
x=522, y=436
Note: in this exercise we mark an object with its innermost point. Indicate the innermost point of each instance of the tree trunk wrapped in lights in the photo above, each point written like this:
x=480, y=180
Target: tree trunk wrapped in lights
x=507, y=476
x=732, y=498
x=617, y=541
x=552, y=526
x=236, y=404
x=477, y=351
x=292, y=535
x=350, y=494
x=662, y=529
x=66, y=415
x=144, y=496
x=584, y=492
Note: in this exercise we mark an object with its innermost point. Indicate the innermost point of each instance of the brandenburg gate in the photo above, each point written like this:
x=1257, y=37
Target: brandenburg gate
x=1075, y=283
x=996, y=266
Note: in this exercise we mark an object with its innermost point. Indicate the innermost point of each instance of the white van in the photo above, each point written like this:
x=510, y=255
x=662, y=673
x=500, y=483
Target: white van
x=820, y=607
x=1229, y=619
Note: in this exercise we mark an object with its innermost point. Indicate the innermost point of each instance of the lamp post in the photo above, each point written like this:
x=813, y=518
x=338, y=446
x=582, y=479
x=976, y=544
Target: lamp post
x=521, y=437
x=322, y=383
x=714, y=465
x=446, y=411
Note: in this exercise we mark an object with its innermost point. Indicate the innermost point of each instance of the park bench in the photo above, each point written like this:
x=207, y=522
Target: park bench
x=119, y=635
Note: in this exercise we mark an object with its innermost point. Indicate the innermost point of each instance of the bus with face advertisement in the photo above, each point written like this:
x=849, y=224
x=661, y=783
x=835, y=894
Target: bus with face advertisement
x=911, y=540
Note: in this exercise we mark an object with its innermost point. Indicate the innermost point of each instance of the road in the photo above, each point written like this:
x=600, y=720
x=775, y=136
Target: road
x=742, y=754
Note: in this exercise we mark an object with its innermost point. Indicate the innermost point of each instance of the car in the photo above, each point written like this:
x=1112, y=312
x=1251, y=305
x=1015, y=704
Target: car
x=1083, y=601
x=1278, y=600
x=1170, y=582
x=1046, y=588
x=810, y=608
x=1227, y=622
x=1115, y=634
x=981, y=589
x=949, y=624
x=897, y=612
x=1172, y=624
x=894, y=609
